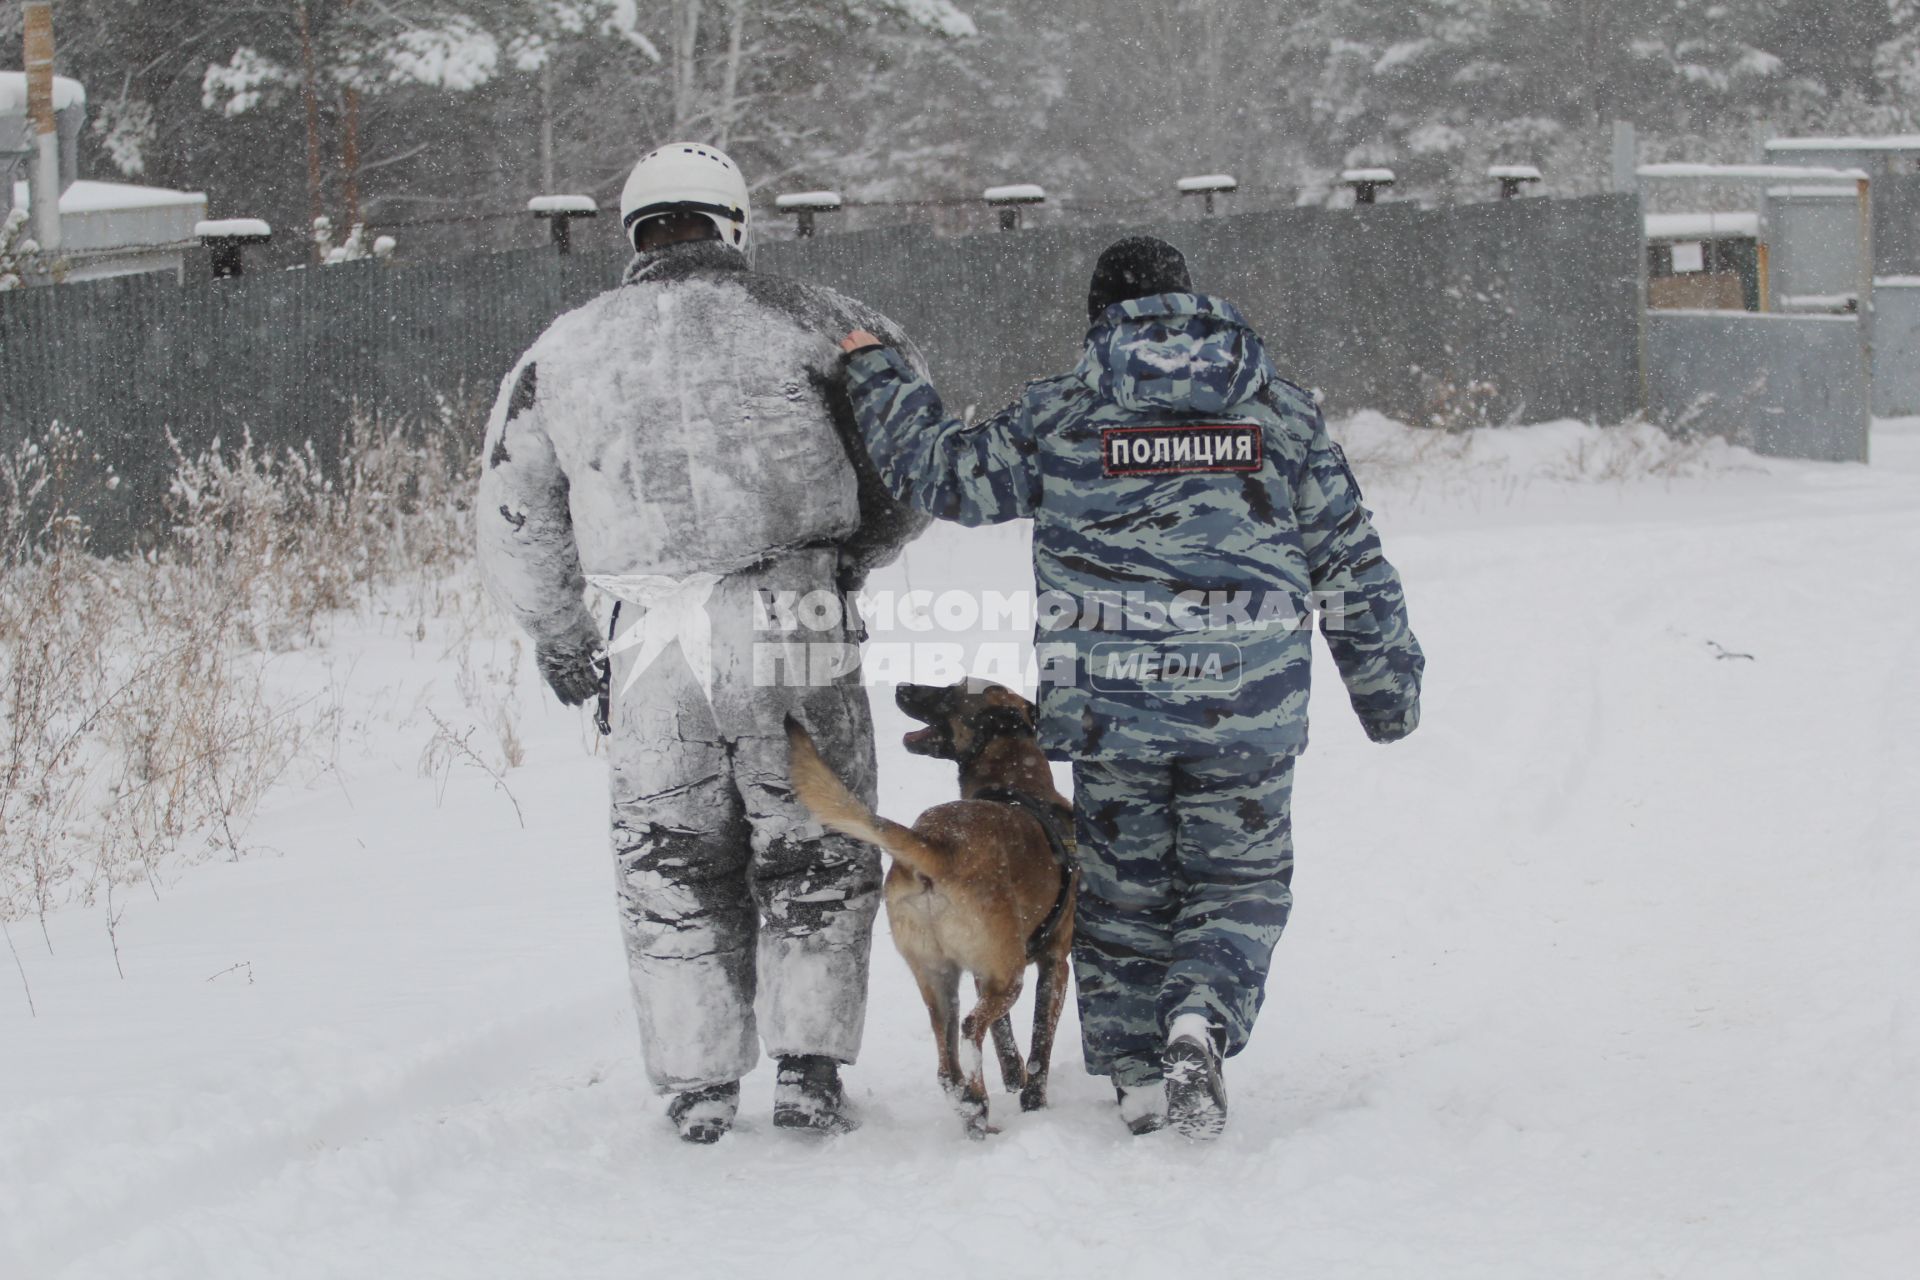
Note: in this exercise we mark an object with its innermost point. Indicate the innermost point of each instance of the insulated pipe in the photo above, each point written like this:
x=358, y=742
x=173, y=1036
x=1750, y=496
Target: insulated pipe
x=46, y=125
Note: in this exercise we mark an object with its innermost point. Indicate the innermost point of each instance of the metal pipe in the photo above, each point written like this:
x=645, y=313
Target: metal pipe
x=1864, y=306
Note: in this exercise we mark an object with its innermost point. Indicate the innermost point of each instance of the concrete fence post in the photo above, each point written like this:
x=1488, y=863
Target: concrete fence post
x=1513, y=178
x=1367, y=184
x=227, y=241
x=1010, y=200
x=805, y=206
x=1208, y=186
x=559, y=212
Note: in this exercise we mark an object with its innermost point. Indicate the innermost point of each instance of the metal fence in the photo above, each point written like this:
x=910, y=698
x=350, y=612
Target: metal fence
x=1534, y=303
x=1538, y=300
x=1790, y=386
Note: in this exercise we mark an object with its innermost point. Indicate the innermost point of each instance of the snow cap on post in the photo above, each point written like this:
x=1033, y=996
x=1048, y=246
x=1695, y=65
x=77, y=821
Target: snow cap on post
x=563, y=207
x=818, y=201
x=227, y=238
x=1366, y=183
x=1512, y=178
x=559, y=213
x=1008, y=200
x=803, y=205
x=245, y=230
x=1208, y=185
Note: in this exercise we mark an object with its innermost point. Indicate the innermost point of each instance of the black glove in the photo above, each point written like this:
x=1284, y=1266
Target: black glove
x=570, y=665
x=1393, y=726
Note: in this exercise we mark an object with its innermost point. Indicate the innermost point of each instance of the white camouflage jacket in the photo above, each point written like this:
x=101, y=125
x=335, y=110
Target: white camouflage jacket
x=694, y=420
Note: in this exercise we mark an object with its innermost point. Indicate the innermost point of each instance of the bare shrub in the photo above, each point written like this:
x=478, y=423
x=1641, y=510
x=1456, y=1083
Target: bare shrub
x=1456, y=406
x=138, y=720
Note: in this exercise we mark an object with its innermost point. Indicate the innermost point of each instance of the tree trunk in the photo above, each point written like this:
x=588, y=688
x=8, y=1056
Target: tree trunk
x=738, y=12
x=686, y=65
x=350, y=157
x=548, y=182
x=310, y=97
x=350, y=150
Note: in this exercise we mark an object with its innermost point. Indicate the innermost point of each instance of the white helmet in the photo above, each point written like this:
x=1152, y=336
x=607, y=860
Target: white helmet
x=687, y=177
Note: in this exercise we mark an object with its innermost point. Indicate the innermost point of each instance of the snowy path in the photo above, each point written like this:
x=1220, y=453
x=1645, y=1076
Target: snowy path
x=1607, y=972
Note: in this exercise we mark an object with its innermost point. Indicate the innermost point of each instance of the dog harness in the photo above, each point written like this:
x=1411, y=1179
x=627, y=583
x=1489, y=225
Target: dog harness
x=1064, y=853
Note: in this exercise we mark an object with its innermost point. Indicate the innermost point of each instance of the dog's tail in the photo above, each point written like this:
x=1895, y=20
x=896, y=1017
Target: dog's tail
x=838, y=809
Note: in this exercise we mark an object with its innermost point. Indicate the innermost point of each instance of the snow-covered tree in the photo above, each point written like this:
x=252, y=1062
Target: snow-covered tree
x=392, y=111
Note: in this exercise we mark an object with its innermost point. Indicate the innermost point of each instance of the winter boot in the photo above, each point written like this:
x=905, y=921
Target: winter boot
x=1143, y=1107
x=1196, y=1090
x=807, y=1095
x=705, y=1115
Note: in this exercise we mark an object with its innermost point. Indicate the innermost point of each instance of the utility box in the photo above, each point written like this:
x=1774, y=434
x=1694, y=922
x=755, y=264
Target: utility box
x=1814, y=247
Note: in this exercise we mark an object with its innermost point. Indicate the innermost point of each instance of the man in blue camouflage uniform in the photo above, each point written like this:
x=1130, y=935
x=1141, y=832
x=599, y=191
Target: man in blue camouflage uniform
x=1190, y=515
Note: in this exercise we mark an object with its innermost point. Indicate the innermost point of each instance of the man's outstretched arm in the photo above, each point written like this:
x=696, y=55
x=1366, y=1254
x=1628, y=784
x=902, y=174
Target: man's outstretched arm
x=981, y=474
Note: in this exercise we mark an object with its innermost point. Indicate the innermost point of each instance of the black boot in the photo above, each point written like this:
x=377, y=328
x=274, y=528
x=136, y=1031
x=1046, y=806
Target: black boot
x=807, y=1095
x=1196, y=1089
x=1143, y=1107
x=705, y=1115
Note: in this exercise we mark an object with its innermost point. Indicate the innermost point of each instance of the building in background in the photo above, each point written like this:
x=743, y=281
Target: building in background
x=107, y=228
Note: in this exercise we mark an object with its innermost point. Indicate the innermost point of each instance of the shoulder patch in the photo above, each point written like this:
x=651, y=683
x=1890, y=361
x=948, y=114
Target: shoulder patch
x=1190, y=448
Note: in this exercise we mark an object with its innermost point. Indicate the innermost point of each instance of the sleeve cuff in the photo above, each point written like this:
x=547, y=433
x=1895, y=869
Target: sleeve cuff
x=870, y=362
x=1393, y=725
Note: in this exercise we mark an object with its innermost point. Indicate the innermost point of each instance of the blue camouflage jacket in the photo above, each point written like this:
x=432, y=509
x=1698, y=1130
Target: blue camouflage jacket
x=1191, y=517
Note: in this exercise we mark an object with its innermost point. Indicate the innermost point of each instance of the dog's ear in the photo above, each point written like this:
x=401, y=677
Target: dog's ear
x=1001, y=696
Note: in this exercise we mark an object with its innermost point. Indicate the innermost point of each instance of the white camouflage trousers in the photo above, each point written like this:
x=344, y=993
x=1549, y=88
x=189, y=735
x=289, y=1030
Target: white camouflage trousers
x=745, y=922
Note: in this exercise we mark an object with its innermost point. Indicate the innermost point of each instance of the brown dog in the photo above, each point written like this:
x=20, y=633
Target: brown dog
x=984, y=884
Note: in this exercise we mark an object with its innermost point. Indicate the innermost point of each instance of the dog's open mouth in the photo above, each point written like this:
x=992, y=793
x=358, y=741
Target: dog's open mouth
x=924, y=742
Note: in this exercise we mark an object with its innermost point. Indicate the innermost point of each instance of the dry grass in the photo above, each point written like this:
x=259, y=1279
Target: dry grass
x=139, y=724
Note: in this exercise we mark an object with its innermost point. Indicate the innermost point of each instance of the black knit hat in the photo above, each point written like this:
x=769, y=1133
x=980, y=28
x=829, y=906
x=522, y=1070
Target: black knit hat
x=1137, y=267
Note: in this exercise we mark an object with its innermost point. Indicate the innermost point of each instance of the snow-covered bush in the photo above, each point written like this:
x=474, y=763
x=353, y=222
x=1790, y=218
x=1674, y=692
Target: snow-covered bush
x=20, y=255
x=356, y=247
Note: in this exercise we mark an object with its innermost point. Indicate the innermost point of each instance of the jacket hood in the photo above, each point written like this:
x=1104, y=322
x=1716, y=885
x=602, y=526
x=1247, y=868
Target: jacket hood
x=677, y=261
x=1177, y=351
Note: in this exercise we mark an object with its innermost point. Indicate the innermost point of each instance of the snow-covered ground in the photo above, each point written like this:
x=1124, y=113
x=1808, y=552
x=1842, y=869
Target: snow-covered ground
x=1609, y=971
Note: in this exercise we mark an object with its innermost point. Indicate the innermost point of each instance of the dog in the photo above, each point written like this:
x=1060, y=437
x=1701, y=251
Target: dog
x=985, y=884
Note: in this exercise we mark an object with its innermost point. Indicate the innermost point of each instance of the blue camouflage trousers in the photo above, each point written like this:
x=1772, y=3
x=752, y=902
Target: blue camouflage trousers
x=1186, y=883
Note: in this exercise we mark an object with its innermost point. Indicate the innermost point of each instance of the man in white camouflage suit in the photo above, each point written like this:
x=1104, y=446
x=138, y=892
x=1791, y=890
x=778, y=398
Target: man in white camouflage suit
x=685, y=443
